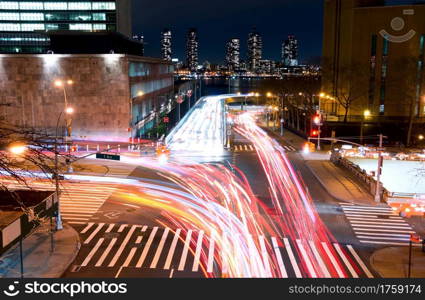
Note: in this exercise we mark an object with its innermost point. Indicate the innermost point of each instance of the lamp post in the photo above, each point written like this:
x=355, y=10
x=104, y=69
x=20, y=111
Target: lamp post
x=68, y=111
x=366, y=114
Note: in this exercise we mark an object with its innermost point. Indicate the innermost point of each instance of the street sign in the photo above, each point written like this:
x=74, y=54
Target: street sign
x=107, y=156
x=179, y=99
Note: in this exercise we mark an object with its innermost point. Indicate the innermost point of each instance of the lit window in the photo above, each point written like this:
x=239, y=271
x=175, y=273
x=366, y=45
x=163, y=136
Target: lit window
x=10, y=27
x=79, y=6
x=52, y=26
x=103, y=5
x=32, y=17
x=9, y=16
x=9, y=5
x=87, y=27
x=99, y=26
x=31, y=5
x=99, y=17
x=55, y=6
x=32, y=27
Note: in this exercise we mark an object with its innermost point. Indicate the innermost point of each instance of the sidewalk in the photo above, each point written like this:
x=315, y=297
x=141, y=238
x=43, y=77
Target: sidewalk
x=39, y=258
x=337, y=181
x=392, y=262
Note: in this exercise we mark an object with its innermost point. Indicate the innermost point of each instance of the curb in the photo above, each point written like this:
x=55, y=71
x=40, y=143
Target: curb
x=77, y=250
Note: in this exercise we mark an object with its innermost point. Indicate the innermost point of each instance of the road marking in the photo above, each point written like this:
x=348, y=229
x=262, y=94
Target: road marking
x=198, y=252
x=353, y=206
x=389, y=243
x=306, y=259
x=380, y=222
x=383, y=230
x=376, y=218
x=89, y=225
x=122, y=227
x=292, y=258
x=333, y=260
x=383, y=238
x=345, y=260
x=172, y=249
x=282, y=269
x=106, y=252
x=265, y=256
x=122, y=246
x=129, y=257
x=380, y=226
x=185, y=250
x=99, y=227
x=144, y=228
x=384, y=234
x=77, y=223
x=139, y=239
x=320, y=260
x=211, y=254
x=360, y=261
x=159, y=249
x=110, y=228
x=252, y=148
x=146, y=249
x=92, y=252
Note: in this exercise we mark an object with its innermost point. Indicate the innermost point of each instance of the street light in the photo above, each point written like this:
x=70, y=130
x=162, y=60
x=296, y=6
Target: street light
x=421, y=137
x=366, y=114
x=61, y=84
x=17, y=148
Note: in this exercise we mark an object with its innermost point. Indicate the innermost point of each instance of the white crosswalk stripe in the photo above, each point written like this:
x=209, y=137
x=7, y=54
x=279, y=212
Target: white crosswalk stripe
x=377, y=224
x=139, y=246
x=244, y=148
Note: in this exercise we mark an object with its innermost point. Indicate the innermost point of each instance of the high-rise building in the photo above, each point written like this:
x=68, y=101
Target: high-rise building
x=255, y=48
x=290, y=51
x=192, y=50
x=22, y=23
x=233, y=54
x=141, y=39
x=166, y=45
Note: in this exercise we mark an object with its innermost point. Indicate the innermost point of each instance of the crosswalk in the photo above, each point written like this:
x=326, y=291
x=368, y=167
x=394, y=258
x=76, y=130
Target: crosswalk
x=377, y=225
x=251, y=148
x=112, y=245
x=80, y=201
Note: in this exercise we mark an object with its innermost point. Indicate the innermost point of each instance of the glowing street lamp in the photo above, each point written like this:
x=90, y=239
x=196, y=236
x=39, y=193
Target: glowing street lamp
x=17, y=149
x=421, y=137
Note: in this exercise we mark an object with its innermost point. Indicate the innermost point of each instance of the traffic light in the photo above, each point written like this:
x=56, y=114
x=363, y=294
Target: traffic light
x=314, y=132
x=316, y=119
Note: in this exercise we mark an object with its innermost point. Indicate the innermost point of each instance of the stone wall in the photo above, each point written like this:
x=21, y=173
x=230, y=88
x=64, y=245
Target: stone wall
x=99, y=94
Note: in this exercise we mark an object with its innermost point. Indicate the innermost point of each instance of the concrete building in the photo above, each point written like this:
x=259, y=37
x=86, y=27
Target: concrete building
x=255, y=50
x=24, y=24
x=166, y=52
x=233, y=54
x=373, y=59
x=114, y=96
x=192, y=50
x=290, y=51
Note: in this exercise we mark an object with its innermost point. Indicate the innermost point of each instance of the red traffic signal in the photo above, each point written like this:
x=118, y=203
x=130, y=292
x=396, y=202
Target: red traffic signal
x=166, y=119
x=314, y=132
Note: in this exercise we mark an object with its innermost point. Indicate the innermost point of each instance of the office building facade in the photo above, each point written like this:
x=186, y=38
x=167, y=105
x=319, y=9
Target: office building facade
x=290, y=52
x=24, y=24
x=166, y=52
x=192, y=50
x=233, y=55
x=255, y=50
x=373, y=59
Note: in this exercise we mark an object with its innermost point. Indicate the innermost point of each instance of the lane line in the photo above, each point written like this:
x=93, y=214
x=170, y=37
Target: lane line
x=89, y=225
x=110, y=228
x=211, y=254
x=129, y=257
x=121, y=228
x=265, y=256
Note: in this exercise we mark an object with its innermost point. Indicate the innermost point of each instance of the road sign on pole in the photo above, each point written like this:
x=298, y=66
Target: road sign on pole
x=107, y=156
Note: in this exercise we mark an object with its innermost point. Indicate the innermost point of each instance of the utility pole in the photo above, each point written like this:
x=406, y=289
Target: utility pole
x=378, y=173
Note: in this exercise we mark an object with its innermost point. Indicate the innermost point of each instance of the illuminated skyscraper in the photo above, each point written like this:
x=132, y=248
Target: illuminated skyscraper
x=192, y=50
x=233, y=54
x=255, y=48
x=290, y=51
x=166, y=45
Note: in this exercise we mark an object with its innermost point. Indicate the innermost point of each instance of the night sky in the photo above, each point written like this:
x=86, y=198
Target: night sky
x=219, y=20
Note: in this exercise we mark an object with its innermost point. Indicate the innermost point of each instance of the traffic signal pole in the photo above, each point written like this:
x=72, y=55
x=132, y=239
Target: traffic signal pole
x=378, y=173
